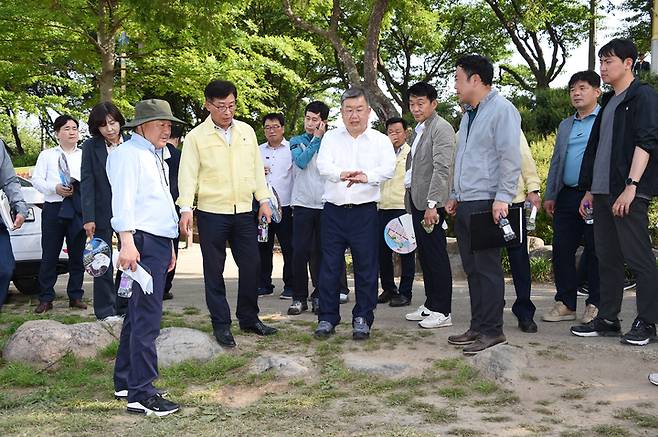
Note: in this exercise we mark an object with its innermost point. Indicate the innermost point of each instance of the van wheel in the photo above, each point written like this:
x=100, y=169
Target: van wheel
x=29, y=286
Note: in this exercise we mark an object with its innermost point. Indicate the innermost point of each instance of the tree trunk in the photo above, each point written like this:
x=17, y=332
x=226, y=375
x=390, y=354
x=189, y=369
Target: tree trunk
x=107, y=51
x=14, y=132
x=591, y=59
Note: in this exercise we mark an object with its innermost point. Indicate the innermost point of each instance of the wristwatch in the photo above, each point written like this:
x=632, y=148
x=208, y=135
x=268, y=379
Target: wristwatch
x=630, y=181
x=431, y=204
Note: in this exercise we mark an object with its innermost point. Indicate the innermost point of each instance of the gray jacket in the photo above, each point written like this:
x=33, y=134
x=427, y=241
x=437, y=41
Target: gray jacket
x=488, y=160
x=9, y=182
x=554, y=181
x=432, y=165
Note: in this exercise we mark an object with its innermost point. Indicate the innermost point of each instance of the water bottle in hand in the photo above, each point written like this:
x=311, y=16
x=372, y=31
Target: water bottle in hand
x=125, y=286
x=530, y=215
x=508, y=232
x=589, y=214
x=263, y=230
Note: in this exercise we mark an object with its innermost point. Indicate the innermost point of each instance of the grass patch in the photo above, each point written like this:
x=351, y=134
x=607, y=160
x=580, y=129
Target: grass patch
x=109, y=351
x=465, y=432
x=610, y=431
x=448, y=363
x=452, y=392
x=497, y=419
x=398, y=398
x=573, y=394
x=640, y=419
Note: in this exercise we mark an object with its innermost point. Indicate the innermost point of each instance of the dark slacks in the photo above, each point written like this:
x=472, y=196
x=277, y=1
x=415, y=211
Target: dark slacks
x=283, y=232
x=136, y=365
x=240, y=232
x=354, y=227
x=7, y=263
x=305, y=243
x=620, y=240
x=169, y=282
x=486, y=283
x=519, y=261
x=54, y=231
x=106, y=301
x=314, y=269
x=408, y=261
x=569, y=229
x=434, y=260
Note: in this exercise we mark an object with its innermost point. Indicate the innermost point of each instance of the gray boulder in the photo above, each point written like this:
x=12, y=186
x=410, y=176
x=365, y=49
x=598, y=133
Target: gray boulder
x=545, y=252
x=502, y=363
x=175, y=345
x=283, y=365
x=44, y=342
x=376, y=366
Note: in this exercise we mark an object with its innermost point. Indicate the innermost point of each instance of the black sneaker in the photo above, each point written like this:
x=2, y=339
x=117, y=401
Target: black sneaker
x=156, y=405
x=597, y=327
x=629, y=283
x=641, y=333
x=286, y=293
x=297, y=307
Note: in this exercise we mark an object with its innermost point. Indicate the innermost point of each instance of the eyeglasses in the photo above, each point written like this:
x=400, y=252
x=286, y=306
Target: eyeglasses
x=224, y=108
x=272, y=127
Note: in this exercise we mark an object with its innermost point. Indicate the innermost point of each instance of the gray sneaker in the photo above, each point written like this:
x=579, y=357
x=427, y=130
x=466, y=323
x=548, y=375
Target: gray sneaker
x=324, y=330
x=360, y=329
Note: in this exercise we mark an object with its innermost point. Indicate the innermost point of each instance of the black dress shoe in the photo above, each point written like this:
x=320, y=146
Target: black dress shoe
x=400, y=301
x=224, y=337
x=528, y=326
x=386, y=296
x=167, y=295
x=259, y=328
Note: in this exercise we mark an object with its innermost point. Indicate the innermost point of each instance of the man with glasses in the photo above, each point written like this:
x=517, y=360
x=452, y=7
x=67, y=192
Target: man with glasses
x=221, y=166
x=278, y=172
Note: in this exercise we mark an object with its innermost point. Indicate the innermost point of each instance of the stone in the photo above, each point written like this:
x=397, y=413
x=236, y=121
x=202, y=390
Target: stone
x=535, y=243
x=545, y=252
x=175, y=345
x=503, y=363
x=376, y=366
x=44, y=342
x=283, y=365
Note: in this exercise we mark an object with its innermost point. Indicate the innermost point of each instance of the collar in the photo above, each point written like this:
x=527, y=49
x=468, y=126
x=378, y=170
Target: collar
x=75, y=149
x=366, y=133
x=594, y=113
x=492, y=93
x=420, y=127
x=142, y=143
x=282, y=144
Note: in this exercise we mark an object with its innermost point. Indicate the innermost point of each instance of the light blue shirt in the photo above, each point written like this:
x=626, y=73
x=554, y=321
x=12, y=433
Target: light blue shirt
x=576, y=147
x=141, y=200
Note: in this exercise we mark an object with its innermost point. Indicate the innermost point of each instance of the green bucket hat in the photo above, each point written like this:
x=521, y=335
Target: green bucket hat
x=152, y=109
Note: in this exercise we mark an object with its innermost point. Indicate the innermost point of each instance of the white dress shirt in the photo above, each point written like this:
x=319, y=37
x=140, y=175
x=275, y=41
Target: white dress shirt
x=371, y=152
x=280, y=177
x=141, y=200
x=419, y=133
x=226, y=133
x=45, y=175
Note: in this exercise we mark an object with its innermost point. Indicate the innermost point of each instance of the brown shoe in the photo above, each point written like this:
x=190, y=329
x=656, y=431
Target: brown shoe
x=484, y=342
x=43, y=307
x=464, y=339
x=77, y=303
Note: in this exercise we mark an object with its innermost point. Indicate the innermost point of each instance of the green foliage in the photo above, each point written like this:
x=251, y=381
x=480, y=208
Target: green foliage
x=542, y=111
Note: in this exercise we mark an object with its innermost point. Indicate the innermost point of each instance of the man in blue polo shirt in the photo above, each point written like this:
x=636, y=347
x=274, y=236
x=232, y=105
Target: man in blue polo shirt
x=562, y=200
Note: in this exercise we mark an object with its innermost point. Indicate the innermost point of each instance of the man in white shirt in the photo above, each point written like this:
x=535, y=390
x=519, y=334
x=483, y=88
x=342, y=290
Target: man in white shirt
x=61, y=215
x=354, y=159
x=144, y=216
x=277, y=161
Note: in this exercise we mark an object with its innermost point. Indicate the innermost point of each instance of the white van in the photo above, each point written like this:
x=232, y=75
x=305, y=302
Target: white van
x=26, y=244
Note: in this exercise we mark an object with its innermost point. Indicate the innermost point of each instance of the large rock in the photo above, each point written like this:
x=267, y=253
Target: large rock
x=376, y=366
x=44, y=342
x=175, y=345
x=282, y=365
x=545, y=252
x=502, y=363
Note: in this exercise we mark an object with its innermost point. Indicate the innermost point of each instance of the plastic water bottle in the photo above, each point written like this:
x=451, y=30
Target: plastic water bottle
x=589, y=214
x=263, y=230
x=530, y=215
x=125, y=286
x=508, y=232
x=428, y=227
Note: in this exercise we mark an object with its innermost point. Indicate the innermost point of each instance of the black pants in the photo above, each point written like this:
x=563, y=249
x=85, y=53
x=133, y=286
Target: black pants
x=54, y=231
x=519, y=261
x=620, y=240
x=7, y=263
x=569, y=229
x=484, y=271
x=434, y=260
x=106, y=301
x=136, y=365
x=240, y=231
x=169, y=282
x=283, y=232
x=314, y=269
x=408, y=261
x=356, y=228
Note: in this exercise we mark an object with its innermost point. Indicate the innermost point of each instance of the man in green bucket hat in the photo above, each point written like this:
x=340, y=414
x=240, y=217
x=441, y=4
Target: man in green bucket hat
x=144, y=216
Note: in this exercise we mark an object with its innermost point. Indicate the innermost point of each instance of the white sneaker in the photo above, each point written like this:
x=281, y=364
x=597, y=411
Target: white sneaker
x=344, y=298
x=653, y=378
x=436, y=320
x=110, y=319
x=419, y=314
x=121, y=394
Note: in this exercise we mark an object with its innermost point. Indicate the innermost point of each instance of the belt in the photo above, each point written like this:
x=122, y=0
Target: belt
x=355, y=205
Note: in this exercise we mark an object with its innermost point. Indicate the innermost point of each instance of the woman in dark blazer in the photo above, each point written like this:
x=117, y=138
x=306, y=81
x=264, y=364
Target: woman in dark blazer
x=105, y=123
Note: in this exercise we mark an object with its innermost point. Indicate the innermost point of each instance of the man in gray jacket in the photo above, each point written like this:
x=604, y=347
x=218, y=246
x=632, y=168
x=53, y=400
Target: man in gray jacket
x=427, y=180
x=12, y=189
x=487, y=169
x=562, y=201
